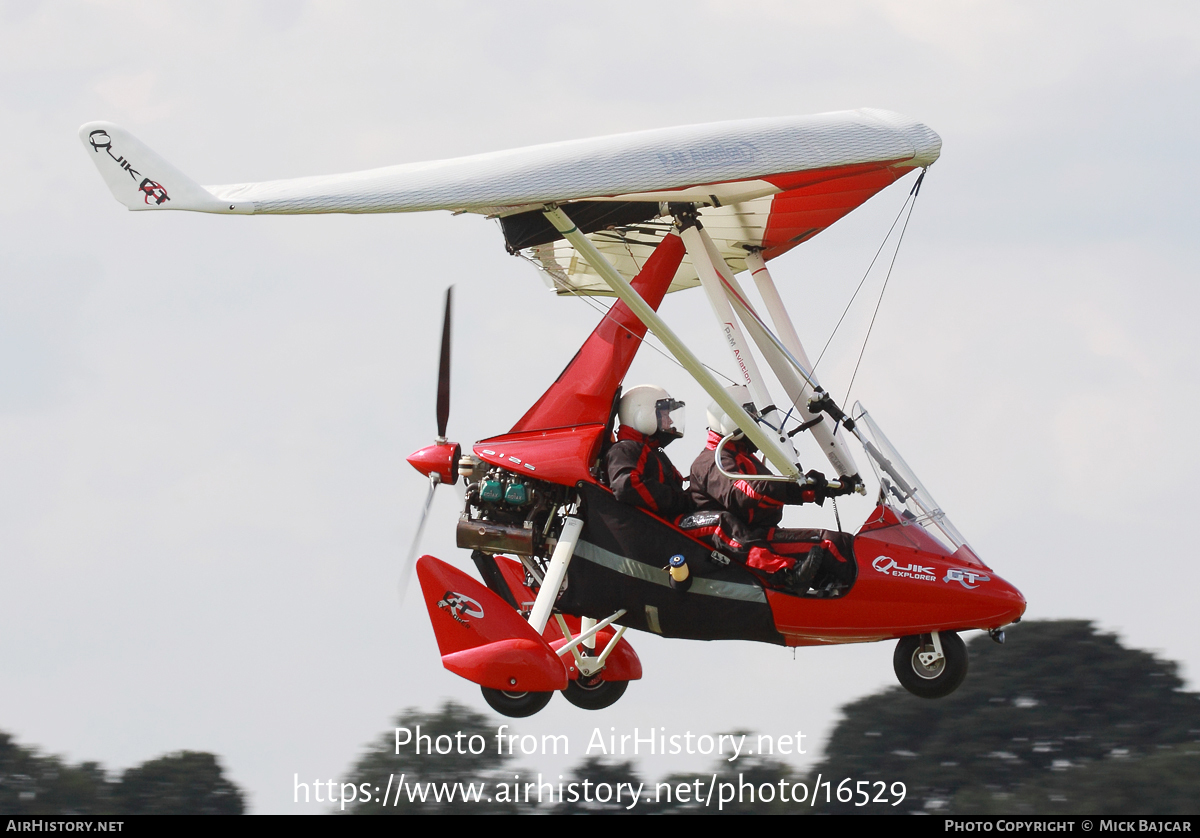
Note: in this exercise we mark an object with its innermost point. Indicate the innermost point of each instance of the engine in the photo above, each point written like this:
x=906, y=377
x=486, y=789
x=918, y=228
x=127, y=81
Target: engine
x=510, y=513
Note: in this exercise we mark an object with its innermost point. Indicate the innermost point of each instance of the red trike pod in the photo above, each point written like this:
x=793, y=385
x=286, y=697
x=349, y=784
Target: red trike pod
x=622, y=663
x=481, y=637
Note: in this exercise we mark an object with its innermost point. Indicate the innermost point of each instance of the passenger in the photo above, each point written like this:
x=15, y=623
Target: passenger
x=749, y=530
x=639, y=472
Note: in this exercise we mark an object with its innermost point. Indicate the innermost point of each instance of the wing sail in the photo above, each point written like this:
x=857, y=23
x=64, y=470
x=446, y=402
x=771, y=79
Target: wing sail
x=675, y=162
x=766, y=183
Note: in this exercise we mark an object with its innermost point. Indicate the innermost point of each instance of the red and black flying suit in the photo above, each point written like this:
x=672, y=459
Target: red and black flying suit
x=749, y=530
x=640, y=473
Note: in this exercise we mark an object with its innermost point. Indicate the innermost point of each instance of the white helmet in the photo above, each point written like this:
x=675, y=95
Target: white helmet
x=718, y=420
x=650, y=410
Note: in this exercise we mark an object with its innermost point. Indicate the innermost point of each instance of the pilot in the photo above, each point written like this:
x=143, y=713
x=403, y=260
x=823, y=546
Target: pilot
x=639, y=472
x=750, y=530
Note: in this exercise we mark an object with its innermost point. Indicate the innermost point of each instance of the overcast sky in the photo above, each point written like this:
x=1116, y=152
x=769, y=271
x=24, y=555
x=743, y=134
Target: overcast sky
x=203, y=420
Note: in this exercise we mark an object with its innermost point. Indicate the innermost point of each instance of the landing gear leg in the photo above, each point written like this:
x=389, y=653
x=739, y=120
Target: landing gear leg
x=926, y=670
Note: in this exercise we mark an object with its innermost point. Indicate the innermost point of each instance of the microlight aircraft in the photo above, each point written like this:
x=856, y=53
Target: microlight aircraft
x=566, y=569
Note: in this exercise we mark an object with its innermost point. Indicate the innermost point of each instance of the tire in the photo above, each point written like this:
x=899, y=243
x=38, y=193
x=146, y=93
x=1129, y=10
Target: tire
x=593, y=693
x=515, y=705
x=936, y=681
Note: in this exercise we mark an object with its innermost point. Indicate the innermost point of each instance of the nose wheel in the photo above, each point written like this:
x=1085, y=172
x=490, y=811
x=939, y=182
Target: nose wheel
x=926, y=670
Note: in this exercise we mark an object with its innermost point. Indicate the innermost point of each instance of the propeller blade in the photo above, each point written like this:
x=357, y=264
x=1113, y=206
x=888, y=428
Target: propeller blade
x=443, y=396
x=407, y=568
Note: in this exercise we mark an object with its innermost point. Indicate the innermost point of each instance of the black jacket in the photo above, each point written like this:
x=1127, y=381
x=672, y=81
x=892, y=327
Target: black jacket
x=640, y=473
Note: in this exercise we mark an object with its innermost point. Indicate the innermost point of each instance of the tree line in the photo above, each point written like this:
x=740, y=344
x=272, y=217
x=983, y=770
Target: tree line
x=1061, y=720
x=182, y=783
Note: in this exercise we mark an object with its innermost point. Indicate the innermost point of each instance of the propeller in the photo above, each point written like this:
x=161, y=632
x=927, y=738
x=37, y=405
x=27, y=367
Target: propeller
x=438, y=462
x=443, y=397
x=407, y=568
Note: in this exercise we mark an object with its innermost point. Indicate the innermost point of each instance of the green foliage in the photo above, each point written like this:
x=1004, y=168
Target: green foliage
x=1061, y=719
x=747, y=776
x=187, y=783
x=183, y=783
x=32, y=784
x=1164, y=783
x=410, y=772
x=596, y=770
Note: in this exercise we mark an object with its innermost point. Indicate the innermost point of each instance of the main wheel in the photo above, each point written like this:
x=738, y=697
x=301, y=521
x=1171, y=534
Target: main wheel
x=594, y=693
x=515, y=705
x=935, y=680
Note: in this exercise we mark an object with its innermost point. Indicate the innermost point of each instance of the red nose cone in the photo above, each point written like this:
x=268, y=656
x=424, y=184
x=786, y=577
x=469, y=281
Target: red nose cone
x=441, y=460
x=1009, y=602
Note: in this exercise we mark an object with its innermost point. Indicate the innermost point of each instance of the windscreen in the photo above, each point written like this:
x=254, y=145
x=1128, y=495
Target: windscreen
x=900, y=489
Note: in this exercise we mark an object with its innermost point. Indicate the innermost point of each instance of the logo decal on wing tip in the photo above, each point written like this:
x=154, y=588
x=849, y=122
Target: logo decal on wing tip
x=456, y=604
x=966, y=578
x=99, y=139
x=155, y=191
x=151, y=190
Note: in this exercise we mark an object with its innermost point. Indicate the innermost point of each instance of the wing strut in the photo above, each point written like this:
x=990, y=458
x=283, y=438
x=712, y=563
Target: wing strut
x=765, y=441
x=708, y=263
x=799, y=392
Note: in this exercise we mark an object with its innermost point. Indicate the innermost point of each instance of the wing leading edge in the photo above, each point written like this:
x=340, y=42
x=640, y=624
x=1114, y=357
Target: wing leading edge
x=770, y=183
x=655, y=165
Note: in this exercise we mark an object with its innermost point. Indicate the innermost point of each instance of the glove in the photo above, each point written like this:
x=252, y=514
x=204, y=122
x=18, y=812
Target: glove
x=816, y=490
x=849, y=484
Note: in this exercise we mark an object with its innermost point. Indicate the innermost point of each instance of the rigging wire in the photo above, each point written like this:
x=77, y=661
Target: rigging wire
x=909, y=204
x=913, y=195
